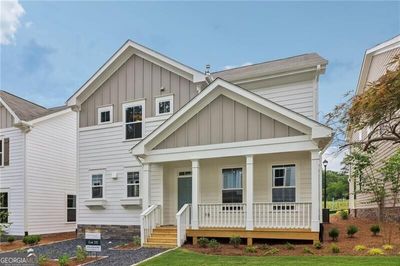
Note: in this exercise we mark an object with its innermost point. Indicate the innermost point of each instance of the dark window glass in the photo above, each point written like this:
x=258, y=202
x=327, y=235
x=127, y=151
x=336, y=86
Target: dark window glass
x=71, y=201
x=71, y=208
x=283, y=195
x=133, y=120
x=164, y=107
x=134, y=131
x=232, y=196
x=97, y=186
x=105, y=116
x=1, y=152
x=3, y=207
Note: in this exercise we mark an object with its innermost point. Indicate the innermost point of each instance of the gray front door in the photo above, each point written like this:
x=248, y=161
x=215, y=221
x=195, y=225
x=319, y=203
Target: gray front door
x=184, y=191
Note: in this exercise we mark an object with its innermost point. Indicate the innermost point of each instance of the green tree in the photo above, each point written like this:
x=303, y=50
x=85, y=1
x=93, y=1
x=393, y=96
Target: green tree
x=337, y=185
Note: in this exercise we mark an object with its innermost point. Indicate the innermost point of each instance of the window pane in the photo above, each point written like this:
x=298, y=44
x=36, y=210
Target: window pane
x=164, y=107
x=290, y=176
x=71, y=215
x=97, y=180
x=71, y=201
x=97, y=192
x=232, y=178
x=279, y=172
x=3, y=216
x=134, y=131
x=1, y=146
x=283, y=195
x=232, y=196
x=133, y=178
x=129, y=114
x=137, y=113
x=133, y=191
x=105, y=116
x=278, y=182
x=3, y=200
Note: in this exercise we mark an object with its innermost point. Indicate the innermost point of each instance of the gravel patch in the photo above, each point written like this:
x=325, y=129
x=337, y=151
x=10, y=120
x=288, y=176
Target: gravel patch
x=114, y=257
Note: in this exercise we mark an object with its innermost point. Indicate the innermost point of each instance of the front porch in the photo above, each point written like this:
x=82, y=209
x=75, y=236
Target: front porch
x=247, y=196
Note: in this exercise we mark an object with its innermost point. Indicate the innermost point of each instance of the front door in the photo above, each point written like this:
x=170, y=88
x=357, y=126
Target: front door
x=184, y=189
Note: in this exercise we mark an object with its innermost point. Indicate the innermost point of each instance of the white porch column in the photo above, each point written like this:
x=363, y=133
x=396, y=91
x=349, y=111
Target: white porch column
x=315, y=190
x=249, y=192
x=195, y=193
x=145, y=184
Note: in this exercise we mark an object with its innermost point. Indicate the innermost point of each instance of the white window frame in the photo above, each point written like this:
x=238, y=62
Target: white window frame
x=129, y=105
x=103, y=185
x=227, y=189
x=100, y=110
x=71, y=208
x=2, y=152
x=165, y=98
x=275, y=167
x=127, y=184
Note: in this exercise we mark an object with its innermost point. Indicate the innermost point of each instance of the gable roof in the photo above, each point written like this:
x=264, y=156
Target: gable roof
x=120, y=56
x=295, y=63
x=218, y=87
x=24, y=110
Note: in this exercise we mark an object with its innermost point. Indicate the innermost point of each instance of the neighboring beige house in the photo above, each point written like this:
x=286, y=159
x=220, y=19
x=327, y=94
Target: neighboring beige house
x=168, y=152
x=375, y=64
x=37, y=166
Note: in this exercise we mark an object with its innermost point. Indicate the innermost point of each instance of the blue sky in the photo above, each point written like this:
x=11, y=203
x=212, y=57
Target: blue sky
x=57, y=46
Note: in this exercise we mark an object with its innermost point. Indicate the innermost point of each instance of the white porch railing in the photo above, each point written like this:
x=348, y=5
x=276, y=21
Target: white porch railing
x=182, y=223
x=222, y=215
x=282, y=215
x=149, y=219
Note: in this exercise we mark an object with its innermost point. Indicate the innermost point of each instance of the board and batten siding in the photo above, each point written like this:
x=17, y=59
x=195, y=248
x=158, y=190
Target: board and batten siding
x=51, y=173
x=136, y=79
x=12, y=179
x=210, y=190
x=6, y=118
x=104, y=151
x=225, y=120
x=300, y=97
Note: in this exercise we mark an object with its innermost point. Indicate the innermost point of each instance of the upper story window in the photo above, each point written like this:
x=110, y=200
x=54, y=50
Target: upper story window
x=105, y=114
x=133, y=118
x=132, y=184
x=71, y=208
x=232, y=185
x=4, y=152
x=3, y=207
x=165, y=105
x=284, y=183
x=97, y=186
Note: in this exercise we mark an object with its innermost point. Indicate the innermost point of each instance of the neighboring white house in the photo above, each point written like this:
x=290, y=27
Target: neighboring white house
x=232, y=152
x=375, y=64
x=37, y=166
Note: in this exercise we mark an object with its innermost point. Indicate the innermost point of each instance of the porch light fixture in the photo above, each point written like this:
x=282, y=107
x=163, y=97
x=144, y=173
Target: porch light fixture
x=325, y=211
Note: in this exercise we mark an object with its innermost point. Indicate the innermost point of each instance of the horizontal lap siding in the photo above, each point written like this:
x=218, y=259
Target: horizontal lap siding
x=6, y=119
x=51, y=173
x=298, y=97
x=12, y=179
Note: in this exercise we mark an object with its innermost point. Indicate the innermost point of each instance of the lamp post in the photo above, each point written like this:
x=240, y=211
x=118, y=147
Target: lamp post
x=325, y=211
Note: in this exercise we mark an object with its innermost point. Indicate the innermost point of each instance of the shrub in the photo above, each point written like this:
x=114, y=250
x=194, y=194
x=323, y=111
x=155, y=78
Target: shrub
x=63, y=260
x=387, y=247
x=81, y=253
x=31, y=239
x=250, y=249
x=42, y=260
x=289, y=246
x=136, y=240
x=335, y=248
x=235, y=241
x=203, y=242
x=375, y=229
x=359, y=248
x=334, y=233
x=265, y=247
x=317, y=245
x=10, y=239
x=214, y=244
x=351, y=230
x=307, y=251
x=271, y=251
x=344, y=214
x=375, y=251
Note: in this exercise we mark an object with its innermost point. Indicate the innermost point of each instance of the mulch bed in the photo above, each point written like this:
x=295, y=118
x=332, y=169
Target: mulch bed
x=45, y=239
x=73, y=261
x=345, y=243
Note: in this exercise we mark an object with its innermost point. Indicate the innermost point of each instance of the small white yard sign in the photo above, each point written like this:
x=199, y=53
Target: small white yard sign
x=93, y=240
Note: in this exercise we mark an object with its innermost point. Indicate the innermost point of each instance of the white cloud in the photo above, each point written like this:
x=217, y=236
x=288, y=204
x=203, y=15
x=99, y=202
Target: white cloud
x=334, y=158
x=28, y=24
x=233, y=66
x=10, y=14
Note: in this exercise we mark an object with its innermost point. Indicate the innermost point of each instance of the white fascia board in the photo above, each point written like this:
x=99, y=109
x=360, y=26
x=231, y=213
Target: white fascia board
x=130, y=48
x=16, y=118
x=290, y=144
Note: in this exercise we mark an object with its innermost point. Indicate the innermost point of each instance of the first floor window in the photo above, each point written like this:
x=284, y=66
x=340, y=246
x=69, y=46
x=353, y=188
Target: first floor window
x=97, y=186
x=133, y=184
x=71, y=208
x=133, y=120
x=284, y=183
x=232, y=189
x=3, y=207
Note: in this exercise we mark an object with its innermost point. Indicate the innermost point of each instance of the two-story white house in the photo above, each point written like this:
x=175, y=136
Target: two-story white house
x=37, y=167
x=171, y=153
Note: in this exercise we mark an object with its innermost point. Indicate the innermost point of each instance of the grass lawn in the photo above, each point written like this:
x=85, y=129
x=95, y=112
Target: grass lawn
x=185, y=257
x=337, y=204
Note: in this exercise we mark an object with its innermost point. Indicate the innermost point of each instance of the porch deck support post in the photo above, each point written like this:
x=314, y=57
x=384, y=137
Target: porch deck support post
x=145, y=184
x=249, y=192
x=195, y=193
x=315, y=190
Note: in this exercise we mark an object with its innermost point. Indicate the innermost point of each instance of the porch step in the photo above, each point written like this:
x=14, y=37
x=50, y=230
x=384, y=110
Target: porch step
x=163, y=236
x=154, y=245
